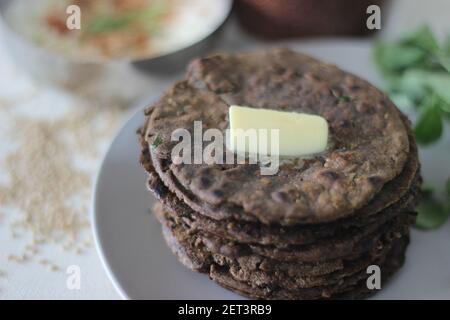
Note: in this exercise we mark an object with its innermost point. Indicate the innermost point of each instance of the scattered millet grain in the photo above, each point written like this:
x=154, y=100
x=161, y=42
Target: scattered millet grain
x=44, y=262
x=54, y=268
x=18, y=258
x=47, y=185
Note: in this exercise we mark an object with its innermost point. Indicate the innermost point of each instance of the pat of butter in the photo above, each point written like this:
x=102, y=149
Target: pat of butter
x=299, y=134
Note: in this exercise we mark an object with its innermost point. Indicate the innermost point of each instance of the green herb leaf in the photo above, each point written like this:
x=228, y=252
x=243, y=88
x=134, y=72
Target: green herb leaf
x=392, y=57
x=429, y=127
x=427, y=191
x=157, y=142
x=403, y=101
x=445, y=107
x=413, y=84
x=341, y=98
x=446, y=45
x=439, y=84
x=444, y=60
x=419, y=84
x=447, y=188
x=431, y=214
x=422, y=38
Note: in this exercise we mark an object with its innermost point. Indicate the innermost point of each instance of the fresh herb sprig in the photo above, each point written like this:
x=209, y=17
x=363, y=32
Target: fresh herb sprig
x=417, y=73
x=432, y=213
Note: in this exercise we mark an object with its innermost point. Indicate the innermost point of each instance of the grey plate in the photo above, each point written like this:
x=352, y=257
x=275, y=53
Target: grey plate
x=140, y=264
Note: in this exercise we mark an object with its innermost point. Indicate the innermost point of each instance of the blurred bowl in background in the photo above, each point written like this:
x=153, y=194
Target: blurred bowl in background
x=198, y=29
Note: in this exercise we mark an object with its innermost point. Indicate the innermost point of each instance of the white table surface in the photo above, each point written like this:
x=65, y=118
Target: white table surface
x=34, y=281
x=29, y=279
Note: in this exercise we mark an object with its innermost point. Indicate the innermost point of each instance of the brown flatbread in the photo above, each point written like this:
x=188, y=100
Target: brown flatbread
x=370, y=146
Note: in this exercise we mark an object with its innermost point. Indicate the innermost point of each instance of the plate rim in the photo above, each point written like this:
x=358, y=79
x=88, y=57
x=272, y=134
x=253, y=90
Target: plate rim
x=99, y=245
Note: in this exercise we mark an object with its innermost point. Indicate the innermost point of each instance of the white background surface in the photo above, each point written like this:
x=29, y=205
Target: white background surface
x=33, y=281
